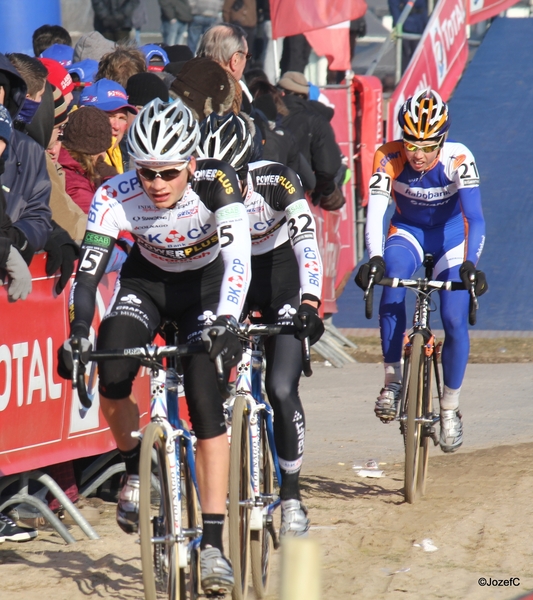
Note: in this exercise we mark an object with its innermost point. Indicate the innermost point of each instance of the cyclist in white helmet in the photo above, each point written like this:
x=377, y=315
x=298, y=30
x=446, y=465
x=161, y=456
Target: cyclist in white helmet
x=435, y=187
x=286, y=286
x=191, y=243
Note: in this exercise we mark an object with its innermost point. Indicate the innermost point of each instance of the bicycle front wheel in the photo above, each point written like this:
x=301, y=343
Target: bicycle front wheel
x=190, y=511
x=414, y=400
x=261, y=543
x=240, y=495
x=159, y=550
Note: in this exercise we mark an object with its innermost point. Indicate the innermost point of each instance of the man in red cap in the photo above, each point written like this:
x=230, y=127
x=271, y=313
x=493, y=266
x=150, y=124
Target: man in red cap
x=60, y=77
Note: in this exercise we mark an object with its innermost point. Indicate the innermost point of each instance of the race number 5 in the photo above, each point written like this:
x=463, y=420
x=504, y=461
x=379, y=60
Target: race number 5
x=225, y=232
x=91, y=260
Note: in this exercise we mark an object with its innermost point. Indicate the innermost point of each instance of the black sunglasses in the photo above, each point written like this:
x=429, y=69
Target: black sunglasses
x=167, y=175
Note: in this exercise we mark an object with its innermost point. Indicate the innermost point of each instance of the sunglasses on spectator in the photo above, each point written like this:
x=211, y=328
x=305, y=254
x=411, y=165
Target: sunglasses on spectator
x=427, y=149
x=167, y=175
x=247, y=55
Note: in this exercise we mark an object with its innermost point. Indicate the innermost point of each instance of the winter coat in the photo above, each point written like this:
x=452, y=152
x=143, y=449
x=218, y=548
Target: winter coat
x=176, y=9
x=77, y=185
x=113, y=15
x=25, y=181
x=67, y=214
x=417, y=19
x=206, y=8
x=316, y=141
x=241, y=12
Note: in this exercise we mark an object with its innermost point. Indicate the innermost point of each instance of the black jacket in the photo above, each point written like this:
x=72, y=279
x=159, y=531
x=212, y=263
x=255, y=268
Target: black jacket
x=113, y=15
x=25, y=181
x=176, y=9
x=316, y=141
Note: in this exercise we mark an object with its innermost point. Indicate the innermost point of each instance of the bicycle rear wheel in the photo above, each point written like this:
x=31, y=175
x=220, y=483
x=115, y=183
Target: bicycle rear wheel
x=414, y=400
x=160, y=564
x=240, y=494
x=261, y=543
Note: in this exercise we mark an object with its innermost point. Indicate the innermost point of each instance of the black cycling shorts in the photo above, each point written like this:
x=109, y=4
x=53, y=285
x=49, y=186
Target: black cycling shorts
x=144, y=296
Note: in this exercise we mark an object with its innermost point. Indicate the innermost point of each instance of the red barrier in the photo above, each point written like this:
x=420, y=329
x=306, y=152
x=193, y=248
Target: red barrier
x=41, y=421
x=368, y=95
x=357, y=122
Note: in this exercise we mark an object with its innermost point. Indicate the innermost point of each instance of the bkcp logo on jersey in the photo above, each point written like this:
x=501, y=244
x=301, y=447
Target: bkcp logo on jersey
x=108, y=193
x=174, y=237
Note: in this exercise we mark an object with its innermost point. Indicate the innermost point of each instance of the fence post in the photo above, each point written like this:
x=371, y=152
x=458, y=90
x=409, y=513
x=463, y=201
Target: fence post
x=300, y=569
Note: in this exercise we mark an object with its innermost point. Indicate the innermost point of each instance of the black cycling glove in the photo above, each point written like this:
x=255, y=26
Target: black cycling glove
x=225, y=341
x=469, y=274
x=363, y=275
x=64, y=355
x=308, y=323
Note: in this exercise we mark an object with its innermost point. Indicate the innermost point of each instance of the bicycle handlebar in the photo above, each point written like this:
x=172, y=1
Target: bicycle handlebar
x=151, y=355
x=148, y=355
x=424, y=285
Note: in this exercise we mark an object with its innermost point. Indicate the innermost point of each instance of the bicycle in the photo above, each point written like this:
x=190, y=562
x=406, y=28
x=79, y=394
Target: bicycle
x=253, y=464
x=421, y=373
x=169, y=516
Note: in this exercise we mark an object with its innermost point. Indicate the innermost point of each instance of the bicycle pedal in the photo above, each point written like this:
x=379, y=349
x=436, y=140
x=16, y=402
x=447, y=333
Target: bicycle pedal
x=434, y=436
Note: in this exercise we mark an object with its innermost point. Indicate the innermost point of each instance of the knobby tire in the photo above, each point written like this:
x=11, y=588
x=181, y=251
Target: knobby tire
x=427, y=403
x=160, y=564
x=261, y=543
x=240, y=489
x=191, y=520
x=414, y=412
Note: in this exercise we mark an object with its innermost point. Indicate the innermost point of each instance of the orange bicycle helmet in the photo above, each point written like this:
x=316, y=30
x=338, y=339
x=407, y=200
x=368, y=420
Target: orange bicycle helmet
x=424, y=116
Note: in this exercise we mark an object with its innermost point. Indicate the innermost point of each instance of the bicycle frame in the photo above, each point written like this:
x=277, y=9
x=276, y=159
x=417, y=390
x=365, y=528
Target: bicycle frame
x=165, y=386
x=249, y=383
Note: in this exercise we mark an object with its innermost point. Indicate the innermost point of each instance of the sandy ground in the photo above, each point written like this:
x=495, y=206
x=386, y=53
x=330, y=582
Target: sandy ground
x=477, y=512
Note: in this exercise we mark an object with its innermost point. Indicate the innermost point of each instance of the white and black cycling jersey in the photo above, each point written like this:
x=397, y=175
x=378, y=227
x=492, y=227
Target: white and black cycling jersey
x=278, y=212
x=210, y=219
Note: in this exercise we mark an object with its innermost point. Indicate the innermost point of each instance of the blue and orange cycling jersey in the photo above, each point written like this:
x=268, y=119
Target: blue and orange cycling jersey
x=447, y=191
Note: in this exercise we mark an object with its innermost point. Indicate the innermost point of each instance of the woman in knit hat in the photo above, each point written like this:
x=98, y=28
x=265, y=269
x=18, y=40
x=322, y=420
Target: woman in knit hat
x=86, y=138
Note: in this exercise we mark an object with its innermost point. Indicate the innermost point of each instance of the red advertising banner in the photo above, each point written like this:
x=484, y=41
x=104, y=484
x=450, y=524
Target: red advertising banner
x=41, y=419
x=291, y=17
x=368, y=95
x=480, y=10
x=438, y=62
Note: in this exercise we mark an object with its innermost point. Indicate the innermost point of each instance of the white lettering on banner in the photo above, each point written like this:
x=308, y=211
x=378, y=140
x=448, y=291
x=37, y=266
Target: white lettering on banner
x=20, y=352
x=5, y=357
x=54, y=389
x=36, y=379
x=40, y=378
x=454, y=25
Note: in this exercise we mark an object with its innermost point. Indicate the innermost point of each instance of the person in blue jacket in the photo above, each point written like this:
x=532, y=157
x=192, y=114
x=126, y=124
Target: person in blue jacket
x=415, y=23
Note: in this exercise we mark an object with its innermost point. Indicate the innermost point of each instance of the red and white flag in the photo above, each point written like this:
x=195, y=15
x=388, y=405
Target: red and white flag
x=291, y=17
x=480, y=10
x=333, y=43
x=438, y=62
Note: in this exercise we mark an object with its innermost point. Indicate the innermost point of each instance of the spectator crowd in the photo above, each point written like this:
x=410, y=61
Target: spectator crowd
x=65, y=113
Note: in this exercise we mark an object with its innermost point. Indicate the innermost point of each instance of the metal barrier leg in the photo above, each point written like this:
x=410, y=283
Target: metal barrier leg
x=45, y=511
x=24, y=497
x=96, y=483
x=337, y=334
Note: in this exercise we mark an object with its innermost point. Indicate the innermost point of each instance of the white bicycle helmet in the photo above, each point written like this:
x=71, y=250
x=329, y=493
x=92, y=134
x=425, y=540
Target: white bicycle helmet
x=163, y=133
x=424, y=116
x=226, y=138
